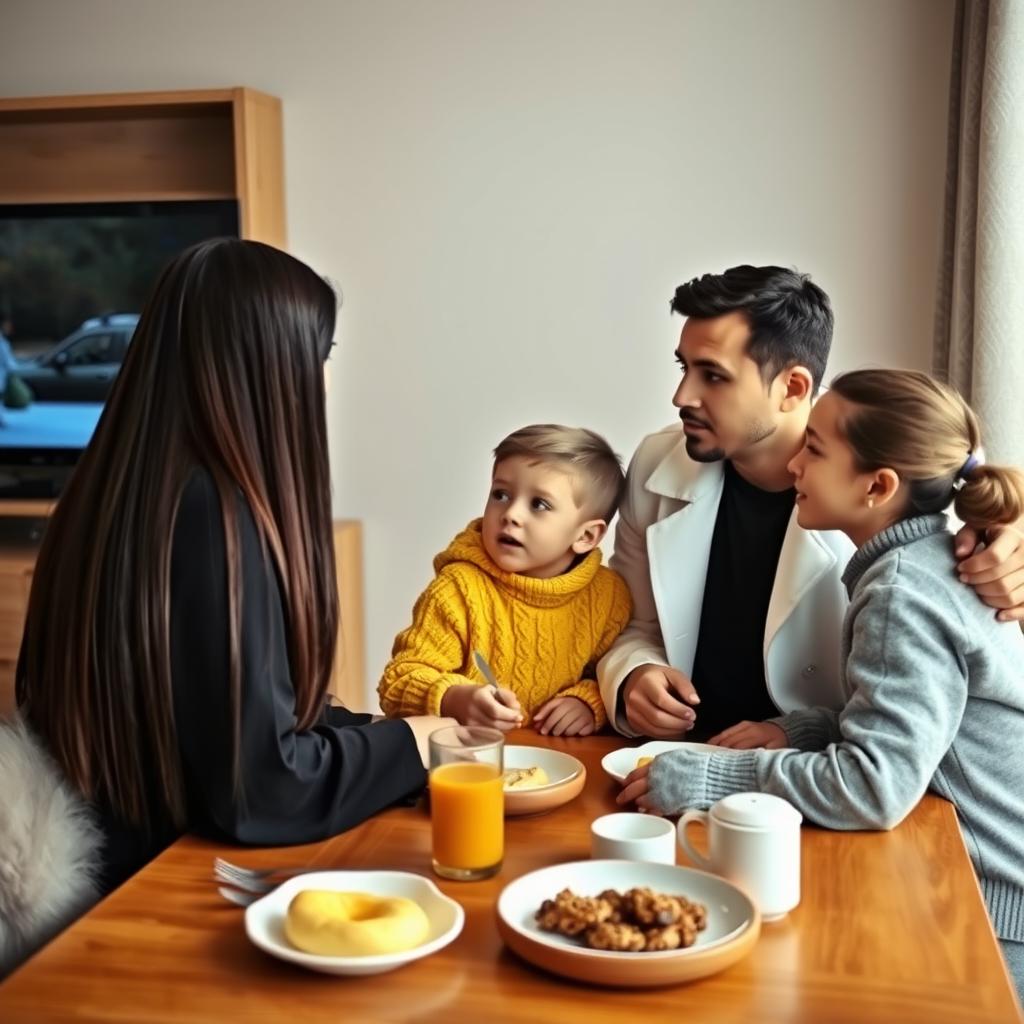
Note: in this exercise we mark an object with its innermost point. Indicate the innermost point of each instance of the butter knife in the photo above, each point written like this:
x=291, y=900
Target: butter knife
x=485, y=669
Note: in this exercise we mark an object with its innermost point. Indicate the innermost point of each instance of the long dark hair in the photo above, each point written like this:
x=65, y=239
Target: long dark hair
x=225, y=372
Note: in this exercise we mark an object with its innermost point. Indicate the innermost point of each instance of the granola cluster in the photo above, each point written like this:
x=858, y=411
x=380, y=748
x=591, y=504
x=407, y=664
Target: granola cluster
x=636, y=921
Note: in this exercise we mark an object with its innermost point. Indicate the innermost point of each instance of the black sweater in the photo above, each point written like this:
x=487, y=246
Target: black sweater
x=296, y=787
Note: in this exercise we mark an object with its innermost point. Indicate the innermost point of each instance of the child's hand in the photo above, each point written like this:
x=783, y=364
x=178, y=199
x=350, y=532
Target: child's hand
x=635, y=787
x=564, y=716
x=746, y=735
x=482, y=705
x=679, y=781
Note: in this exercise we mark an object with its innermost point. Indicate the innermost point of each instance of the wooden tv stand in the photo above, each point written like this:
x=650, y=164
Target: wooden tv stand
x=17, y=562
x=150, y=146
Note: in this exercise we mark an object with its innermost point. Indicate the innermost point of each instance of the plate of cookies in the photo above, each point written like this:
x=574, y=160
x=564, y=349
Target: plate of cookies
x=626, y=923
x=619, y=763
x=538, y=779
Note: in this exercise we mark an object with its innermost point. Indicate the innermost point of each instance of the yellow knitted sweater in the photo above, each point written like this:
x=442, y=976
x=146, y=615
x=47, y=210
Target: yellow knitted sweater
x=541, y=637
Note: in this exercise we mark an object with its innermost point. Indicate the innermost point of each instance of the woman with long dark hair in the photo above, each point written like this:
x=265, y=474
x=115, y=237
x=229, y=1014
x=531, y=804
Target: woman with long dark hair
x=183, y=618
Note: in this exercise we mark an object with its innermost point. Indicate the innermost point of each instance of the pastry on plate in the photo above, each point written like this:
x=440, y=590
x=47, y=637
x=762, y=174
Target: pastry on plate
x=525, y=778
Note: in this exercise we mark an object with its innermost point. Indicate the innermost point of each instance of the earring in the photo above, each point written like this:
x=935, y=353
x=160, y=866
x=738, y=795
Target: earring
x=871, y=502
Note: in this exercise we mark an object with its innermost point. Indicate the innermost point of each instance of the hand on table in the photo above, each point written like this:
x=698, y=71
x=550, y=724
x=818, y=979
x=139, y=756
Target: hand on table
x=635, y=788
x=422, y=726
x=564, y=716
x=679, y=782
x=746, y=735
x=997, y=571
x=658, y=701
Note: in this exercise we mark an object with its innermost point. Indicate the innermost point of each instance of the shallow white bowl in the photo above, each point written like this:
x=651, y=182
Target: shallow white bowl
x=619, y=763
x=733, y=923
x=264, y=919
x=566, y=776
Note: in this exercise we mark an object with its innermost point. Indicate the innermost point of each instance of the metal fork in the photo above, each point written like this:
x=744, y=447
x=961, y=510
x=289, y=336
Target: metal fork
x=236, y=896
x=258, y=880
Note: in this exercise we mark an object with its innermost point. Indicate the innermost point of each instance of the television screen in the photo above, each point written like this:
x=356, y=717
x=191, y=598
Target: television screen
x=73, y=279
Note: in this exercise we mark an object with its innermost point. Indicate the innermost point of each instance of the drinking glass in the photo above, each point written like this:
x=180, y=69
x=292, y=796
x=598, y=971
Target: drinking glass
x=467, y=804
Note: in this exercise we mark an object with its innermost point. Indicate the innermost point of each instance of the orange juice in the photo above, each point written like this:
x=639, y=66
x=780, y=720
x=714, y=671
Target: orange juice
x=467, y=815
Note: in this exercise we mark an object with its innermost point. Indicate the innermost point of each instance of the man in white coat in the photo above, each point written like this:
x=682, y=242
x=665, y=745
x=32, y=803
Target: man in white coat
x=737, y=611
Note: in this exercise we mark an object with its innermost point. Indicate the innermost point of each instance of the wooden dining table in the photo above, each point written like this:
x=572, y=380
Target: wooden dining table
x=891, y=927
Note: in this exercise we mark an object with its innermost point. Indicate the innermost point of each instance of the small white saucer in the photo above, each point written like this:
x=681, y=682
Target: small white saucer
x=264, y=919
x=619, y=763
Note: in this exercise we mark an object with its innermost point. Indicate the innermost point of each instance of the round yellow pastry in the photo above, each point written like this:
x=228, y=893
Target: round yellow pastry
x=641, y=761
x=354, y=923
x=525, y=778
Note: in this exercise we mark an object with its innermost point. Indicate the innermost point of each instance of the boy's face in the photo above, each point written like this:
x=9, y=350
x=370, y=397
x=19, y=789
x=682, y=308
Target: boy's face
x=532, y=525
x=722, y=400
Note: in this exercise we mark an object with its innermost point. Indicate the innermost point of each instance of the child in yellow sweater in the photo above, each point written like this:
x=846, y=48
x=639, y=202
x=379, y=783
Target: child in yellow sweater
x=525, y=586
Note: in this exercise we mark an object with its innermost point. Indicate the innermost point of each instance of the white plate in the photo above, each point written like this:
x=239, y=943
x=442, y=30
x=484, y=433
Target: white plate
x=264, y=919
x=559, y=767
x=619, y=763
x=732, y=921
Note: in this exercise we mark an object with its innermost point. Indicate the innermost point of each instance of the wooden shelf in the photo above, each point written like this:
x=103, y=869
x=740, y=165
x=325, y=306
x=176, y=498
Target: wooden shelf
x=117, y=147
x=128, y=197
x=91, y=102
x=27, y=509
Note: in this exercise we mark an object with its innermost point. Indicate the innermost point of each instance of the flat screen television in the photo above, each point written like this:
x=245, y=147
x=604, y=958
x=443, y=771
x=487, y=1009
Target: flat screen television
x=73, y=279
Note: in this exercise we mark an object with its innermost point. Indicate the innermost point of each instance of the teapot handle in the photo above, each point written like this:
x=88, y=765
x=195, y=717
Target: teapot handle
x=697, y=858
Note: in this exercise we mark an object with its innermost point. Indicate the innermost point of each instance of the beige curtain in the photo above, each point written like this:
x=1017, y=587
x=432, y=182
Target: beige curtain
x=979, y=337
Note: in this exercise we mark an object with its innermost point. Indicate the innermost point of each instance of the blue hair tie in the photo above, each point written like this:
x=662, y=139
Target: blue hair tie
x=970, y=464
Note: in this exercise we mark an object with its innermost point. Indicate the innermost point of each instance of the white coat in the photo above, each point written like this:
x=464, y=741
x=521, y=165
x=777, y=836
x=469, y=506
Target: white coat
x=662, y=546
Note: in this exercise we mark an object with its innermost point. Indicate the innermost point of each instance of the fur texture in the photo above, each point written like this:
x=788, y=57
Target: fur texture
x=49, y=847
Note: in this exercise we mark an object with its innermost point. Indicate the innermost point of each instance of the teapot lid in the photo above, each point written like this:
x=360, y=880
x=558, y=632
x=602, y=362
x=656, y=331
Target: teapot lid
x=757, y=810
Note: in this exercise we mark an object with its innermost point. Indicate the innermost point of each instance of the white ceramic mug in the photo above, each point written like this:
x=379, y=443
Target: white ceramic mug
x=754, y=841
x=631, y=836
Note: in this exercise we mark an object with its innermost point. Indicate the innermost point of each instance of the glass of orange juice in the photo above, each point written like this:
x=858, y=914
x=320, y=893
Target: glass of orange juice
x=467, y=802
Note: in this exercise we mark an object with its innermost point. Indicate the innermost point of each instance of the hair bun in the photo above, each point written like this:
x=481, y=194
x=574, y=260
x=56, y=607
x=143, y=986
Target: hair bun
x=990, y=495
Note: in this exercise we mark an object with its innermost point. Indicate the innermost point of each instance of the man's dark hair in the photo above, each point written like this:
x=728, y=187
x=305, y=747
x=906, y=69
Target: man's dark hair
x=790, y=316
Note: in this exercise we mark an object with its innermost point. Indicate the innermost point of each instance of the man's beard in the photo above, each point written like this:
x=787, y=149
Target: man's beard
x=705, y=455
x=756, y=432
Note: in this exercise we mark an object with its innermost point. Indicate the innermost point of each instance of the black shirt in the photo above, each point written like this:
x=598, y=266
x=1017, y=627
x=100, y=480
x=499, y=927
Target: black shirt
x=297, y=787
x=728, y=668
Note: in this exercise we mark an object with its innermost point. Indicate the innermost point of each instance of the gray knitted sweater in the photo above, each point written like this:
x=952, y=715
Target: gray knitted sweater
x=934, y=691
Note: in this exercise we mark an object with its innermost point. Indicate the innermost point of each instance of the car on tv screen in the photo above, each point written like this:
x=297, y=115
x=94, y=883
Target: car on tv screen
x=82, y=367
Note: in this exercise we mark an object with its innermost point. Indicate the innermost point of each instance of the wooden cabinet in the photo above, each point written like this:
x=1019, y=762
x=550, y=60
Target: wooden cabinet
x=349, y=676
x=348, y=681
x=197, y=144
x=15, y=582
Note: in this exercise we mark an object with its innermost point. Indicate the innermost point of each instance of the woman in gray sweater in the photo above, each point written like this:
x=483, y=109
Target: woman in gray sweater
x=934, y=684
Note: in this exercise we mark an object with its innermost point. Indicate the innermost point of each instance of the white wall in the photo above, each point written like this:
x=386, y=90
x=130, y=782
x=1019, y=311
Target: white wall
x=509, y=192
